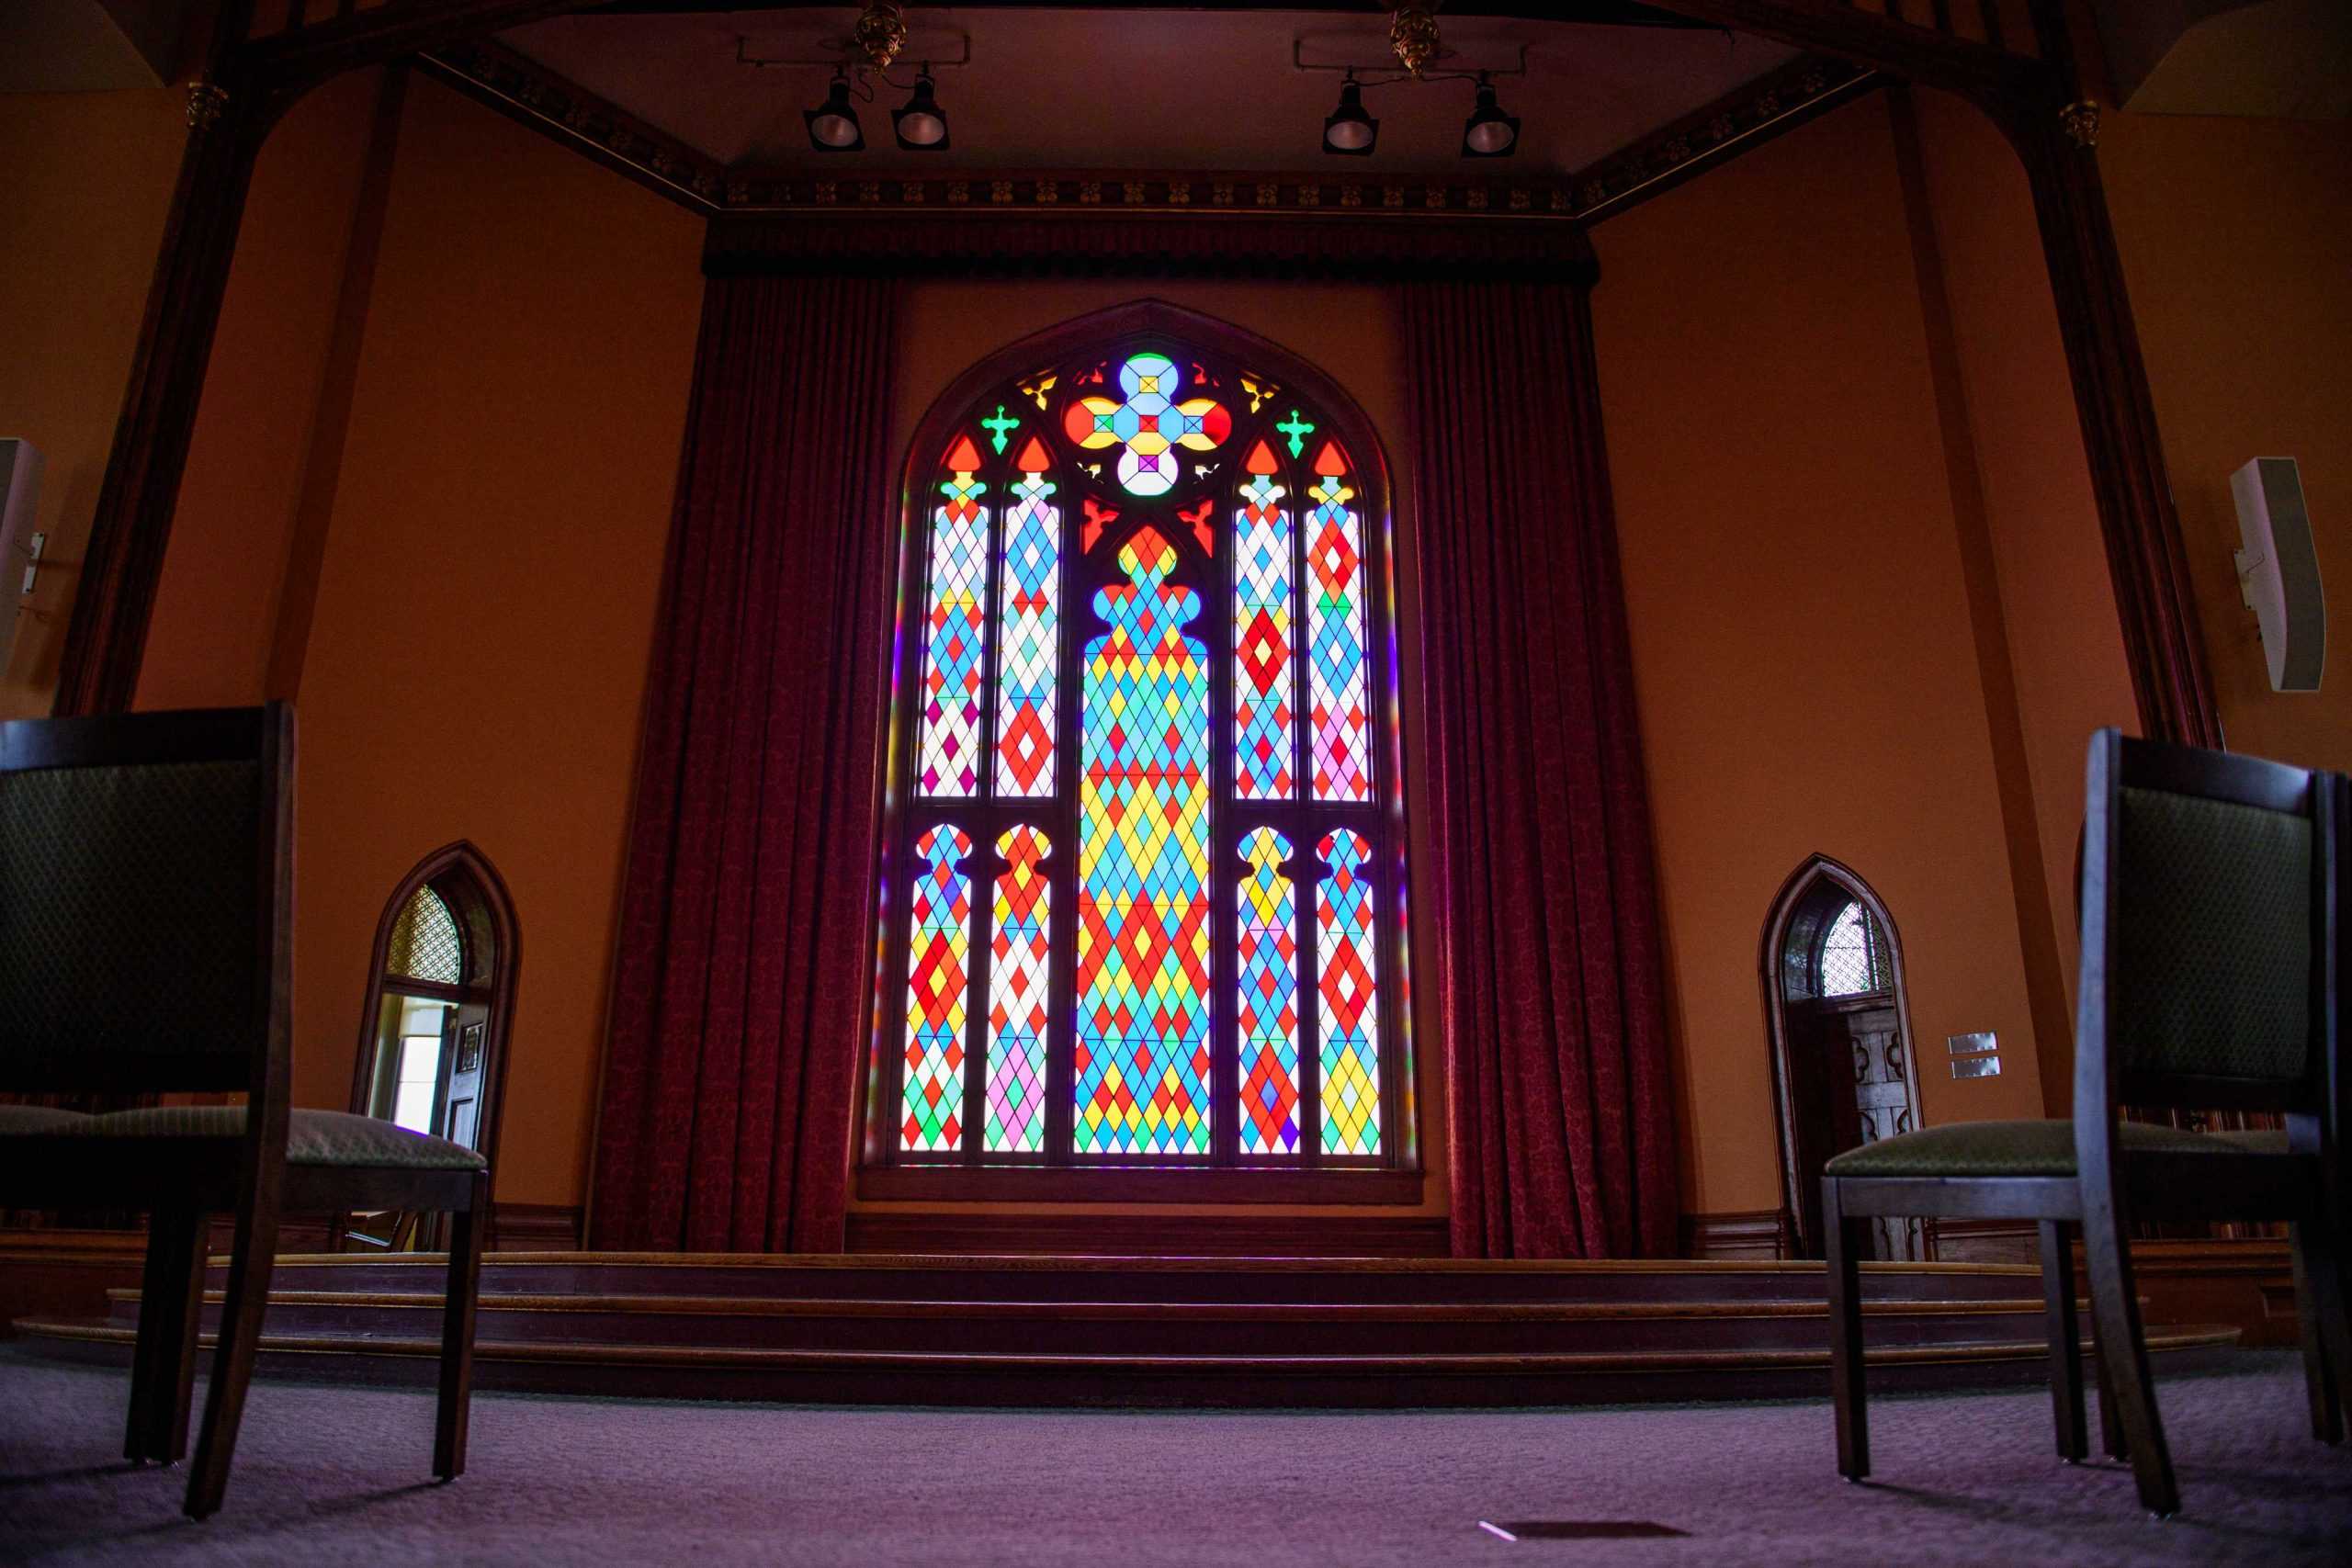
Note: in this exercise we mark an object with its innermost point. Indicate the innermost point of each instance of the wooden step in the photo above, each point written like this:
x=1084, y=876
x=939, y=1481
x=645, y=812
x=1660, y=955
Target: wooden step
x=1110, y=1330
x=1060, y=1379
x=1101, y=1280
x=1133, y=1327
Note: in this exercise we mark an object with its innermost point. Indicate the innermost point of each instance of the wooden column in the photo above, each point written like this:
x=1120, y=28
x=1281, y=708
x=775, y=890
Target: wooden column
x=99, y=670
x=2058, y=141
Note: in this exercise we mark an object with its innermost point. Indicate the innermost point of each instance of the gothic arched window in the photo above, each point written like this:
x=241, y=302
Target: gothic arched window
x=1145, y=879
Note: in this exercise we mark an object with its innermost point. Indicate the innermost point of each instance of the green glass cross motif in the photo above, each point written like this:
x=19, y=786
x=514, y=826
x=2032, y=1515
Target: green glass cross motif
x=1297, y=428
x=1002, y=426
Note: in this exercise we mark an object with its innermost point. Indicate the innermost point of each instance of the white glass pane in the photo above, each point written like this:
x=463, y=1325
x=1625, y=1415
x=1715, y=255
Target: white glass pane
x=420, y=1065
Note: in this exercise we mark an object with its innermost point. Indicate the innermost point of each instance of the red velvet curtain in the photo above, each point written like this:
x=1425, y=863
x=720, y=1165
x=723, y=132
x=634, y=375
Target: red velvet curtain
x=1559, y=1120
x=742, y=994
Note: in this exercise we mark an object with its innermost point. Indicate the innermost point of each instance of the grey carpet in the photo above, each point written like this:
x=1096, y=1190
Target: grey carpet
x=337, y=1476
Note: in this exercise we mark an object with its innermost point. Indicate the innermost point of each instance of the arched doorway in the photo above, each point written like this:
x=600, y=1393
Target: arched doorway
x=1844, y=1071
x=440, y=1000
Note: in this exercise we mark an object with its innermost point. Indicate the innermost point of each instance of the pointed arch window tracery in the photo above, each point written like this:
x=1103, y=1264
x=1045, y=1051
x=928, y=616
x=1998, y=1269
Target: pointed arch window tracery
x=1145, y=852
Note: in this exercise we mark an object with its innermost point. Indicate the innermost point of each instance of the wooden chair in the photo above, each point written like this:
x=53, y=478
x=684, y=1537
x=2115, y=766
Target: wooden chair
x=145, y=903
x=2210, y=946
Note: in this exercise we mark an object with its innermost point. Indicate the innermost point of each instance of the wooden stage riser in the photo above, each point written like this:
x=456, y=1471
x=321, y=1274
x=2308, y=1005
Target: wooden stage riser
x=1062, y=1279
x=1806, y=1377
x=1168, y=1333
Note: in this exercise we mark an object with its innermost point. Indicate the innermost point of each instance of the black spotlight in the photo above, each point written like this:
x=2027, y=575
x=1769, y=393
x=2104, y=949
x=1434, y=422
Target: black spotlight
x=1350, y=132
x=833, y=124
x=922, y=124
x=1489, y=132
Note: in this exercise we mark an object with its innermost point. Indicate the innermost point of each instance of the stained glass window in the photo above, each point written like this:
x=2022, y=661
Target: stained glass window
x=1148, y=783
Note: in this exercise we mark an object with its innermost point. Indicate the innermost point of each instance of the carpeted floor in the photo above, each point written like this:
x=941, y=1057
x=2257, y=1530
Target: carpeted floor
x=335, y=1476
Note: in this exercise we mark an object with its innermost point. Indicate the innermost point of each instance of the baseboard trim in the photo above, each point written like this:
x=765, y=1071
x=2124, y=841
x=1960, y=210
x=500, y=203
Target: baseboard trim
x=967, y=1232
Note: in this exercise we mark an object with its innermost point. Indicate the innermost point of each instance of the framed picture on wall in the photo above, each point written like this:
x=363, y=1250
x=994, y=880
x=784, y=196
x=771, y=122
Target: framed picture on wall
x=469, y=1049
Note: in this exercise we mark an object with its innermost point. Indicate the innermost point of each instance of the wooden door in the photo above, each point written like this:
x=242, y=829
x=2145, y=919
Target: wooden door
x=1880, y=1107
x=1850, y=1085
x=460, y=1117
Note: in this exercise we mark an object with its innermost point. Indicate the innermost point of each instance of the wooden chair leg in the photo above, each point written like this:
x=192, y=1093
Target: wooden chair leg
x=2319, y=1386
x=457, y=1333
x=250, y=1263
x=163, y=1364
x=2123, y=1347
x=152, y=1294
x=1846, y=1389
x=170, y=1413
x=2322, y=1257
x=2110, y=1421
x=2065, y=1340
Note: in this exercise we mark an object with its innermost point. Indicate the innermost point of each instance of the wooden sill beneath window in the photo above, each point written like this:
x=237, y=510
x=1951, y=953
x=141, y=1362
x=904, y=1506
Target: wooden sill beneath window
x=1131, y=1184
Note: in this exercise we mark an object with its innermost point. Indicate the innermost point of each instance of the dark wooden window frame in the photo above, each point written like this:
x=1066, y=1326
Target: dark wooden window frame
x=1787, y=904
x=462, y=877
x=1225, y=1175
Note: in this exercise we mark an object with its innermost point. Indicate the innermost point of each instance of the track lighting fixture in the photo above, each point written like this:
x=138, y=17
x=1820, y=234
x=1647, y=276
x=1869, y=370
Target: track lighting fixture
x=922, y=125
x=1489, y=132
x=1351, y=132
x=833, y=124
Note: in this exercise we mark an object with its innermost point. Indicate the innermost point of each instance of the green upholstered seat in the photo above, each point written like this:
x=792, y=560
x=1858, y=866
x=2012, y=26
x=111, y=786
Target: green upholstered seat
x=2011, y=1148
x=312, y=1137
x=38, y=1119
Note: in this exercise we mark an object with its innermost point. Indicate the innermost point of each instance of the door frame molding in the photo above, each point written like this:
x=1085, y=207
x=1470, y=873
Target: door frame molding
x=459, y=861
x=1819, y=868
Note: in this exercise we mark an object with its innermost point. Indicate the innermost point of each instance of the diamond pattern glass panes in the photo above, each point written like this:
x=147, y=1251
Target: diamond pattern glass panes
x=1029, y=599
x=1269, y=997
x=1850, y=965
x=425, y=944
x=1337, y=650
x=1021, y=963
x=1141, y=1066
x=938, y=988
x=1102, y=966
x=1264, y=719
x=954, y=629
x=1347, y=993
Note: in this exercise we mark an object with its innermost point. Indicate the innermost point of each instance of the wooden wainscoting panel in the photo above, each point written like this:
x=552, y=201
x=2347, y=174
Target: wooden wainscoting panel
x=2246, y=1283
x=1764, y=1233
x=1983, y=1241
x=65, y=1273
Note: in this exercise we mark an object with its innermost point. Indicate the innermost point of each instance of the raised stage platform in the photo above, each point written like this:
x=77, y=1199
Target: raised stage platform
x=1105, y=1331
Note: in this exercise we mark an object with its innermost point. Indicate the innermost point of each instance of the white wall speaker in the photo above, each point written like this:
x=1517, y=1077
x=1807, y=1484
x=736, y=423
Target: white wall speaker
x=19, y=546
x=20, y=488
x=2279, y=571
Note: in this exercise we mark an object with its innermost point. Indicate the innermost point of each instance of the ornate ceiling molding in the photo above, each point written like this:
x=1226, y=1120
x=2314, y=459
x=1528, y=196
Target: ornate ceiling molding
x=539, y=97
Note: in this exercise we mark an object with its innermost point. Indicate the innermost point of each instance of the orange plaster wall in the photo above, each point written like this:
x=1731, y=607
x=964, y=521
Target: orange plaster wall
x=86, y=182
x=2057, y=598
x=1802, y=643
x=216, y=606
x=2236, y=238
x=486, y=602
x=1349, y=331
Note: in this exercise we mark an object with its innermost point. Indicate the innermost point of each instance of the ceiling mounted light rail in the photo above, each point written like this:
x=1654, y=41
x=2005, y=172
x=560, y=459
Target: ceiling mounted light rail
x=1352, y=132
x=860, y=62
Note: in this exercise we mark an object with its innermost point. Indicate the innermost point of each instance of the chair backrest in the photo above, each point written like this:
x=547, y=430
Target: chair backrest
x=2210, y=931
x=144, y=890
